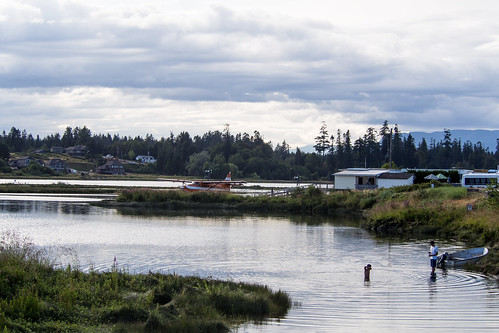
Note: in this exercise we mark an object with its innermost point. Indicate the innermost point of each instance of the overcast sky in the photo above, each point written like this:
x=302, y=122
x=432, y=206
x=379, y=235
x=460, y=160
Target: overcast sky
x=277, y=66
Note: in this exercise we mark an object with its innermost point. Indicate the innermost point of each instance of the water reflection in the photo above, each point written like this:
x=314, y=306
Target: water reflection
x=319, y=264
x=44, y=207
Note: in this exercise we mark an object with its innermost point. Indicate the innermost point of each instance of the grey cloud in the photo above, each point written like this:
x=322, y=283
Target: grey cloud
x=437, y=66
x=253, y=54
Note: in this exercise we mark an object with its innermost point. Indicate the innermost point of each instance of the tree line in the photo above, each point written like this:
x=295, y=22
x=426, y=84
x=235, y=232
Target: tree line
x=389, y=145
x=246, y=155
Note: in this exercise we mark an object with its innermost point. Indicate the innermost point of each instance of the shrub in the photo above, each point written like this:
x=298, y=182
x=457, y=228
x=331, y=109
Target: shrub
x=126, y=313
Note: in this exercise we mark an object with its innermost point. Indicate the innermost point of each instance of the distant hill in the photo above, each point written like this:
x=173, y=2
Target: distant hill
x=488, y=138
x=307, y=149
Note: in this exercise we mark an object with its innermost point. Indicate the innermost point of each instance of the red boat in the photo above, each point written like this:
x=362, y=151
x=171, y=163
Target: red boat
x=208, y=185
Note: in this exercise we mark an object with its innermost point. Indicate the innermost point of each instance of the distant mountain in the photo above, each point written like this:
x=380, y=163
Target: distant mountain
x=488, y=138
x=307, y=149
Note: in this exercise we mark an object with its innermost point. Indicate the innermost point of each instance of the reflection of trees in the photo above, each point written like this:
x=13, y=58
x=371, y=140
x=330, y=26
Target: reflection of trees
x=77, y=209
x=29, y=206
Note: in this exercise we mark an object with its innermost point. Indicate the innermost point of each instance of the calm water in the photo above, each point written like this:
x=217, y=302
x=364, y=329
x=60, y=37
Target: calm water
x=319, y=264
x=139, y=183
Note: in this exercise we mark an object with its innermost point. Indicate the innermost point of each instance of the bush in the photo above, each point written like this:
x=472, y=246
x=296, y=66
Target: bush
x=127, y=313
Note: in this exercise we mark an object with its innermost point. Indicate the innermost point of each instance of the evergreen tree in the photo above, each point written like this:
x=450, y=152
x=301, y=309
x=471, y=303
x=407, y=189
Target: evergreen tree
x=348, y=151
x=228, y=140
x=410, y=160
x=397, y=147
x=14, y=140
x=340, y=150
x=67, y=139
x=359, y=153
x=422, y=155
x=456, y=153
x=371, y=149
x=478, y=156
x=322, y=143
x=386, y=136
x=447, y=149
x=4, y=151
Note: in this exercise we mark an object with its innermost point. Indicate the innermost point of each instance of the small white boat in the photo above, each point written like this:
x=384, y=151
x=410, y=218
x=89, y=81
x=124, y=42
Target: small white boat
x=460, y=258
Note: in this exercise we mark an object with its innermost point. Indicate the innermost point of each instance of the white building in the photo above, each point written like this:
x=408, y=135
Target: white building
x=145, y=159
x=364, y=179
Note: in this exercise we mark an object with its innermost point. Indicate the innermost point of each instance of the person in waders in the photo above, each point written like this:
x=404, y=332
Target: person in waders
x=367, y=272
x=433, y=253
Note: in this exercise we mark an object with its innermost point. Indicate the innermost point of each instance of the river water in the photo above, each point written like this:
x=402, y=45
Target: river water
x=319, y=263
x=144, y=183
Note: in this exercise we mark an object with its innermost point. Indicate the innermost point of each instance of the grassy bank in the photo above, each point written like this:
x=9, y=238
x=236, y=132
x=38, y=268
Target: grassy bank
x=36, y=297
x=309, y=201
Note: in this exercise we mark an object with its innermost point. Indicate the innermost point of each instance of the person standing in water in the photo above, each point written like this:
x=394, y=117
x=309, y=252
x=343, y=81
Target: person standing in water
x=433, y=257
x=367, y=272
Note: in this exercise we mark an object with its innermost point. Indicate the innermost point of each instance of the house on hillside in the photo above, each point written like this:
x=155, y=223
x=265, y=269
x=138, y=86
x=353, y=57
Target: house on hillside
x=145, y=159
x=58, y=150
x=77, y=151
x=24, y=161
x=366, y=179
x=112, y=167
x=20, y=163
x=58, y=165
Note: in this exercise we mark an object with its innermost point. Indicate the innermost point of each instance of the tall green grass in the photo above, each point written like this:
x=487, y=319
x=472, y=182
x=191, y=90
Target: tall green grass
x=36, y=297
x=310, y=201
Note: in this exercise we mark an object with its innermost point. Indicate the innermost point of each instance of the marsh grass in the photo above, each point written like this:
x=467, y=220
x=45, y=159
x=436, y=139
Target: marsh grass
x=36, y=297
x=311, y=201
x=440, y=211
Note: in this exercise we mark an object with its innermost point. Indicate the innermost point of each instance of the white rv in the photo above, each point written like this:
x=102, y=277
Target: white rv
x=480, y=179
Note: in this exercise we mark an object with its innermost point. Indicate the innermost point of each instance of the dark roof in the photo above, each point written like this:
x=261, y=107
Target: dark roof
x=398, y=175
x=113, y=163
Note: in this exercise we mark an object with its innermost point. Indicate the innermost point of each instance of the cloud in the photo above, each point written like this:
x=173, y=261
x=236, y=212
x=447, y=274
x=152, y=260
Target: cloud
x=280, y=68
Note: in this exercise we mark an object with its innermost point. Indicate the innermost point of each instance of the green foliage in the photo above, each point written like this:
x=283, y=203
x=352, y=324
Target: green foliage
x=389, y=166
x=4, y=167
x=147, y=168
x=35, y=169
x=493, y=193
x=35, y=297
x=4, y=152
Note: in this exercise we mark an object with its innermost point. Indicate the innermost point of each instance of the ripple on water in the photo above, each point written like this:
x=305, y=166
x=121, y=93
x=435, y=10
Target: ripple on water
x=407, y=301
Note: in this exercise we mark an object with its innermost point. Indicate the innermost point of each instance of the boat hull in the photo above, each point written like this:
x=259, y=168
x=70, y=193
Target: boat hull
x=191, y=188
x=461, y=258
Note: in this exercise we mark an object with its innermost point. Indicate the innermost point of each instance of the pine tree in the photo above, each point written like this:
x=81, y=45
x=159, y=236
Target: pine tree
x=322, y=143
